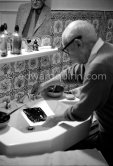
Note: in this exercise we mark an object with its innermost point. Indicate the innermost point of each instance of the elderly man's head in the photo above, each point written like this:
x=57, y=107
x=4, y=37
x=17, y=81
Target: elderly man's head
x=37, y=4
x=78, y=39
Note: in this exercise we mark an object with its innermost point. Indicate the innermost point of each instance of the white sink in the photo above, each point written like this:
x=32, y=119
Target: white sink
x=21, y=122
x=17, y=140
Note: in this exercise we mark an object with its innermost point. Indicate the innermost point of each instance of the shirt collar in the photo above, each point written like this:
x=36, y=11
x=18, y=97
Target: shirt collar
x=97, y=46
x=95, y=49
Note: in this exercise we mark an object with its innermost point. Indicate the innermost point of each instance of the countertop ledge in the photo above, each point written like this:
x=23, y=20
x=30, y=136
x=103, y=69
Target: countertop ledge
x=27, y=55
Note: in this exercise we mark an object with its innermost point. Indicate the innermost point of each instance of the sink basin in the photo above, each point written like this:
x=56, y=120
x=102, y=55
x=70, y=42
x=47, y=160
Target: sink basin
x=23, y=137
x=21, y=122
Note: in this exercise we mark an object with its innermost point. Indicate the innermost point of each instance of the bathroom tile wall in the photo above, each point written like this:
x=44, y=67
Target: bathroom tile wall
x=17, y=78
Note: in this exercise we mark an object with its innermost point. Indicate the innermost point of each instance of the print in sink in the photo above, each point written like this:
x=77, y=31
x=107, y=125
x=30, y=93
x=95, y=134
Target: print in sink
x=35, y=114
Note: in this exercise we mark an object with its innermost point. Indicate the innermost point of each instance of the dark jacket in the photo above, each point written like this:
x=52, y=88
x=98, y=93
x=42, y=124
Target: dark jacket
x=97, y=90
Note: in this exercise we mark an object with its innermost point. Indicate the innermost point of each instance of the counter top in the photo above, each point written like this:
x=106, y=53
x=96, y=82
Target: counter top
x=27, y=55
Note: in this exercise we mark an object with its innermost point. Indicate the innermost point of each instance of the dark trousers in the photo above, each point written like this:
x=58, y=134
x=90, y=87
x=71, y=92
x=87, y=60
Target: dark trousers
x=101, y=141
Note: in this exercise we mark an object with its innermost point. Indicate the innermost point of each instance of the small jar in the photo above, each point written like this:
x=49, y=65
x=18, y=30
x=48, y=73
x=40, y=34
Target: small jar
x=29, y=45
x=35, y=45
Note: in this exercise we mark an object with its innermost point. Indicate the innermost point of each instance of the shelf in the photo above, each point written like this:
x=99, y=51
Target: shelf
x=27, y=55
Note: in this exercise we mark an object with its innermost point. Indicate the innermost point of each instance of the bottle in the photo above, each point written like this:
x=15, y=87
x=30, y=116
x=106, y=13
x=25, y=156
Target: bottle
x=35, y=45
x=16, y=41
x=5, y=29
x=0, y=30
x=8, y=36
x=3, y=43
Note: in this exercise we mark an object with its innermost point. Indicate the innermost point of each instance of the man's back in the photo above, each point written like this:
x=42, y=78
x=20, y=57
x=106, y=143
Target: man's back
x=104, y=61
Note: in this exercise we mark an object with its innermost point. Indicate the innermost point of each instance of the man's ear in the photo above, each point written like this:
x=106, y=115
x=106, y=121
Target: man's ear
x=78, y=42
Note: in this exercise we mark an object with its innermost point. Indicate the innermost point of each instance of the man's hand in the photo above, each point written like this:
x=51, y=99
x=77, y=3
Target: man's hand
x=53, y=120
x=38, y=88
x=76, y=91
x=35, y=88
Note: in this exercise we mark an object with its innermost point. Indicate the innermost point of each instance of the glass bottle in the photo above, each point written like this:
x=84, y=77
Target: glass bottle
x=3, y=43
x=5, y=29
x=16, y=41
x=8, y=36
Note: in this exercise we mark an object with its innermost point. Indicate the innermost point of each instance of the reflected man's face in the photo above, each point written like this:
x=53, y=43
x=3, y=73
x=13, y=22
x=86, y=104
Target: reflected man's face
x=37, y=4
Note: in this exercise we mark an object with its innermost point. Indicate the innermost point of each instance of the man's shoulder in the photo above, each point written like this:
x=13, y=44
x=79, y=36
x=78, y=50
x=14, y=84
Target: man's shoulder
x=46, y=8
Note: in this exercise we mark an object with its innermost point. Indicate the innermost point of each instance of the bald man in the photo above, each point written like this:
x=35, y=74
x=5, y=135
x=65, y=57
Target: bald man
x=93, y=67
x=34, y=19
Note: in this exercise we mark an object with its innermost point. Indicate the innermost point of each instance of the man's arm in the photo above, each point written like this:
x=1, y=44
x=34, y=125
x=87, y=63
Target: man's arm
x=76, y=91
x=93, y=94
x=72, y=74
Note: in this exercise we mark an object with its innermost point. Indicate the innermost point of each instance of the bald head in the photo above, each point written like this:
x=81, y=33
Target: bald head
x=79, y=28
x=37, y=4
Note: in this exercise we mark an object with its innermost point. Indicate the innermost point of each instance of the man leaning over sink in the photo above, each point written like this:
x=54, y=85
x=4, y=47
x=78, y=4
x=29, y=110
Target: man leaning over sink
x=94, y=68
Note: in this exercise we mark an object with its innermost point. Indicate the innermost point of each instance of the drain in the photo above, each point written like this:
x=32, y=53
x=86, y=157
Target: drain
x=30, y=128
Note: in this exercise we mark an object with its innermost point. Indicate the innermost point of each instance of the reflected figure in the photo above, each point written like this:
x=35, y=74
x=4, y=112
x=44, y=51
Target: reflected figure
x=34, y=19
